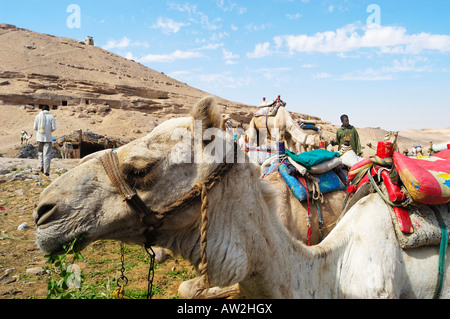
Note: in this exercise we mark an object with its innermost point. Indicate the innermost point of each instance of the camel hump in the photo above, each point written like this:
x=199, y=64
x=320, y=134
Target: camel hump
x=207, y=112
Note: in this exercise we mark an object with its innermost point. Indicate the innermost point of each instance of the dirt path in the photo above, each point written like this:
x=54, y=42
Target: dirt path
x=23, y=163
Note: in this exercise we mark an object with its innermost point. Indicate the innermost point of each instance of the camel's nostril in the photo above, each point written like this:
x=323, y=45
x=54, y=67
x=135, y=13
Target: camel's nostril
x=43, y=213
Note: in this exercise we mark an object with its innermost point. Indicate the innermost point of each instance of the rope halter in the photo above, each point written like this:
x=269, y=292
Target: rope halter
x=154, y=219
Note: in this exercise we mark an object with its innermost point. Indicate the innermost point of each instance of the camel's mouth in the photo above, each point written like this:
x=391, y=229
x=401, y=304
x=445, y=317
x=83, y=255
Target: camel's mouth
x=43, y=214
x=61, y=245
x=50, y=237
x=76, y=244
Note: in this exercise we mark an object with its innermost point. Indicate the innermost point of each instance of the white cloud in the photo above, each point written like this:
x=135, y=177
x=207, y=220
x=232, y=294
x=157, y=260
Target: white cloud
x=293, y=16
x=218, y=36
x=385, y=73
x=112, y=44
x=366, y=75
x=211, y=46
x=333, y=8
x=168, y=25
x=230, y=6
x=278, y=42
x=321, y=75
x=411, y=64
x=223, y=80
x=226, y=5
x=176, y=55
x=181, y=73
x=257, y=27
x=129, y=56
x=308, y=66
x=242, y=10
x=388, y=39
x=196, y=16
x=228, y=55
x=123, y=43
x=261, y=50
x=279, y=74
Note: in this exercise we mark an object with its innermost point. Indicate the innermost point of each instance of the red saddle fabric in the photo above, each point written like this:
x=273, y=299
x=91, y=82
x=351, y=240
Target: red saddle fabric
x=426, y=179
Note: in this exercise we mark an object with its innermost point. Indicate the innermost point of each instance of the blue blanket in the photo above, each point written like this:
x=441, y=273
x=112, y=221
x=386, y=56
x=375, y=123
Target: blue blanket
x=329, y=182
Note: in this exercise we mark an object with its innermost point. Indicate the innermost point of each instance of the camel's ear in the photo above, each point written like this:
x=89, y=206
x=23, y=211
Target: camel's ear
x=207, y=111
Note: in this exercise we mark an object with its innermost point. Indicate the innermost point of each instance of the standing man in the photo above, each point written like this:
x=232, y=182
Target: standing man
x=349, y=133
x=44, y=124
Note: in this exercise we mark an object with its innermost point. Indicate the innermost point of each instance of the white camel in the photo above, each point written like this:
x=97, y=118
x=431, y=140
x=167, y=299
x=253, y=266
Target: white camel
x=296, y=216
x=435, y=148
x=25, y=137
x=416, y=150
x=246, y=242
x=282, y=127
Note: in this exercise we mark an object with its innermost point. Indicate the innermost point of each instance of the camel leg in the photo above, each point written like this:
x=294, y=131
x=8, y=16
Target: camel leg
x=196, y=289
x=252, y=134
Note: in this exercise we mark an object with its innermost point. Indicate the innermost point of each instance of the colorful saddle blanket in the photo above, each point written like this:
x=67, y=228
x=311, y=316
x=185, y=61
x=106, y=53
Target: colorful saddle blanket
x=443, y=154
x=426, y=179
x=427, y=231
x=268, y=110
x=328, y=182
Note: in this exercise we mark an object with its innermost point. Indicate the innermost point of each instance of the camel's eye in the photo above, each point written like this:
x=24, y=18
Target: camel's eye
x=139, y=173
x=134, y=171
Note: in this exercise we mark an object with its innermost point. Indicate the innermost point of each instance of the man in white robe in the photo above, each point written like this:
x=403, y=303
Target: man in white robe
x=44, y=125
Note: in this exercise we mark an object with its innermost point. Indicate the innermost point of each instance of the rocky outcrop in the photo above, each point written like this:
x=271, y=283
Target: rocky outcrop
x=6, y=26
x=38, y=89
x=74, y=72
x=89, y=81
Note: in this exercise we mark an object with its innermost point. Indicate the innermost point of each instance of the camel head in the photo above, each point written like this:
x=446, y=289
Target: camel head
x=159, y=168
x=392, y=137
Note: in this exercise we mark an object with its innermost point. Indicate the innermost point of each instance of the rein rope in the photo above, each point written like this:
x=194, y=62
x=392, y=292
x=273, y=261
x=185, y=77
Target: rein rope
x=110, y=162
x=203, y=266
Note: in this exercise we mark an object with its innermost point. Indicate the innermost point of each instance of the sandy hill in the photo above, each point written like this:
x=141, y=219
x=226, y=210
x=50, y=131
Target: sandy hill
x=98, y=91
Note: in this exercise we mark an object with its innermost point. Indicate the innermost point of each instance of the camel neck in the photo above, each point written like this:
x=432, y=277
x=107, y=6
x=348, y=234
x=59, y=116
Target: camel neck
x=266, y=260
x=284, y=267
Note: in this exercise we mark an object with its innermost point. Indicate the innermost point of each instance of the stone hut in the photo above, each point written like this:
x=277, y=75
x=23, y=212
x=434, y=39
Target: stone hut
x=89, y=40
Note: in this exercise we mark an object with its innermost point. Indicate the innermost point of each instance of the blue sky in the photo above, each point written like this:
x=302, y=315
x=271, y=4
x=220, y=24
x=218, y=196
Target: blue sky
x=384, y=63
